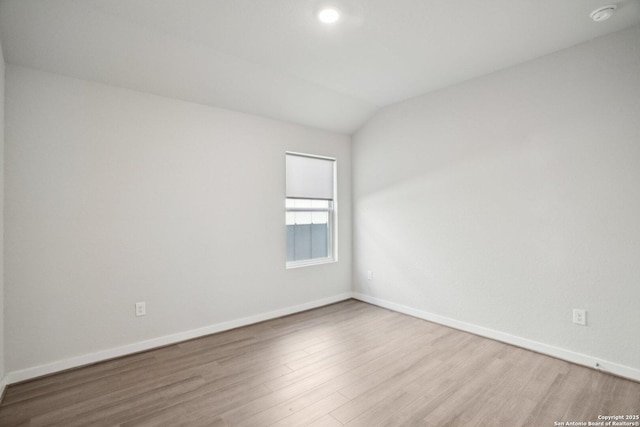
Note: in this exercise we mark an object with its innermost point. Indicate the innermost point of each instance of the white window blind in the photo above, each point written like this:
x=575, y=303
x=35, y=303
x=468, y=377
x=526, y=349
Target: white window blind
x=309, y=177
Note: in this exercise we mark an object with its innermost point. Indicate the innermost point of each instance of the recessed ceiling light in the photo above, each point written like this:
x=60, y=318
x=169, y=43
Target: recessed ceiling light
x=329, y=15
x=603, y=13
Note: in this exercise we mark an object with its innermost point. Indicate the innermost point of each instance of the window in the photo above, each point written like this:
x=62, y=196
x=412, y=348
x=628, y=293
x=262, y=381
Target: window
x=310, y=210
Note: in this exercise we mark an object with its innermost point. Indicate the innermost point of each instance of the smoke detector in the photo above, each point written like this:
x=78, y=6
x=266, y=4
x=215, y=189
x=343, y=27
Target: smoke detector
x=603, y=13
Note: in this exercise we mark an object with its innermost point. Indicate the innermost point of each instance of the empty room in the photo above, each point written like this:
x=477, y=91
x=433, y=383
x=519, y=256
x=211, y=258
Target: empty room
x=319, y=213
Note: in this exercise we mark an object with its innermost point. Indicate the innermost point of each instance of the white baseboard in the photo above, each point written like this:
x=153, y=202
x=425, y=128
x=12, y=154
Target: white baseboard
x=87, y=359
x=557, y=352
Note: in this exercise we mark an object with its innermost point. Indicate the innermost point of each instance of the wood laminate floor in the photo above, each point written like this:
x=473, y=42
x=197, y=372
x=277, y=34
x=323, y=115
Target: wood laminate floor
x=345, y=364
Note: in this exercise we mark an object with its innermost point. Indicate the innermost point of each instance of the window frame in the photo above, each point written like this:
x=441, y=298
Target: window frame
x=332, y=220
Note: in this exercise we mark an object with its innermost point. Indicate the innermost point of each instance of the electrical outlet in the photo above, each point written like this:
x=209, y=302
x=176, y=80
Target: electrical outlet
x=369, y=275
x=141, y=309
x=580, y=317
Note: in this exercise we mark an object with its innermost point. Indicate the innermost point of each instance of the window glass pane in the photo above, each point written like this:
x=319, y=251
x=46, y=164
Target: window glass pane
x=290, y=218
x=308, y=203
x=302, y=203
x=319, y=217
x=320, y=240
x=291, y=243
x=320, y=204
x=302, y=241
x=307, y=241
x=302, y=218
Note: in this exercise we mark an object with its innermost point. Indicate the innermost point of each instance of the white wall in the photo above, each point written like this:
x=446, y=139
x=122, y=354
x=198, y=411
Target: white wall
x=509, y=200
x=115, y=196
x=2, y=70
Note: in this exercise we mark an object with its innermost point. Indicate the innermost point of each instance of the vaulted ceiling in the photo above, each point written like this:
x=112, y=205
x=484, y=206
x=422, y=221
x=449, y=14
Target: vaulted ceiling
x=273, y=58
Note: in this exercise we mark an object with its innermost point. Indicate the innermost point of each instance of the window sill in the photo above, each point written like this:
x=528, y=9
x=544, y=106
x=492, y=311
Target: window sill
x=310, y=262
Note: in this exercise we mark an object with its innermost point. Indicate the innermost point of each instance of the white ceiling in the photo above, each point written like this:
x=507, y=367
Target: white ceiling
x=273, y=58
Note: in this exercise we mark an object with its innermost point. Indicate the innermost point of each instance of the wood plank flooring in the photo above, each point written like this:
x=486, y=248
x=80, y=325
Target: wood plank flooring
x=347, y=364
